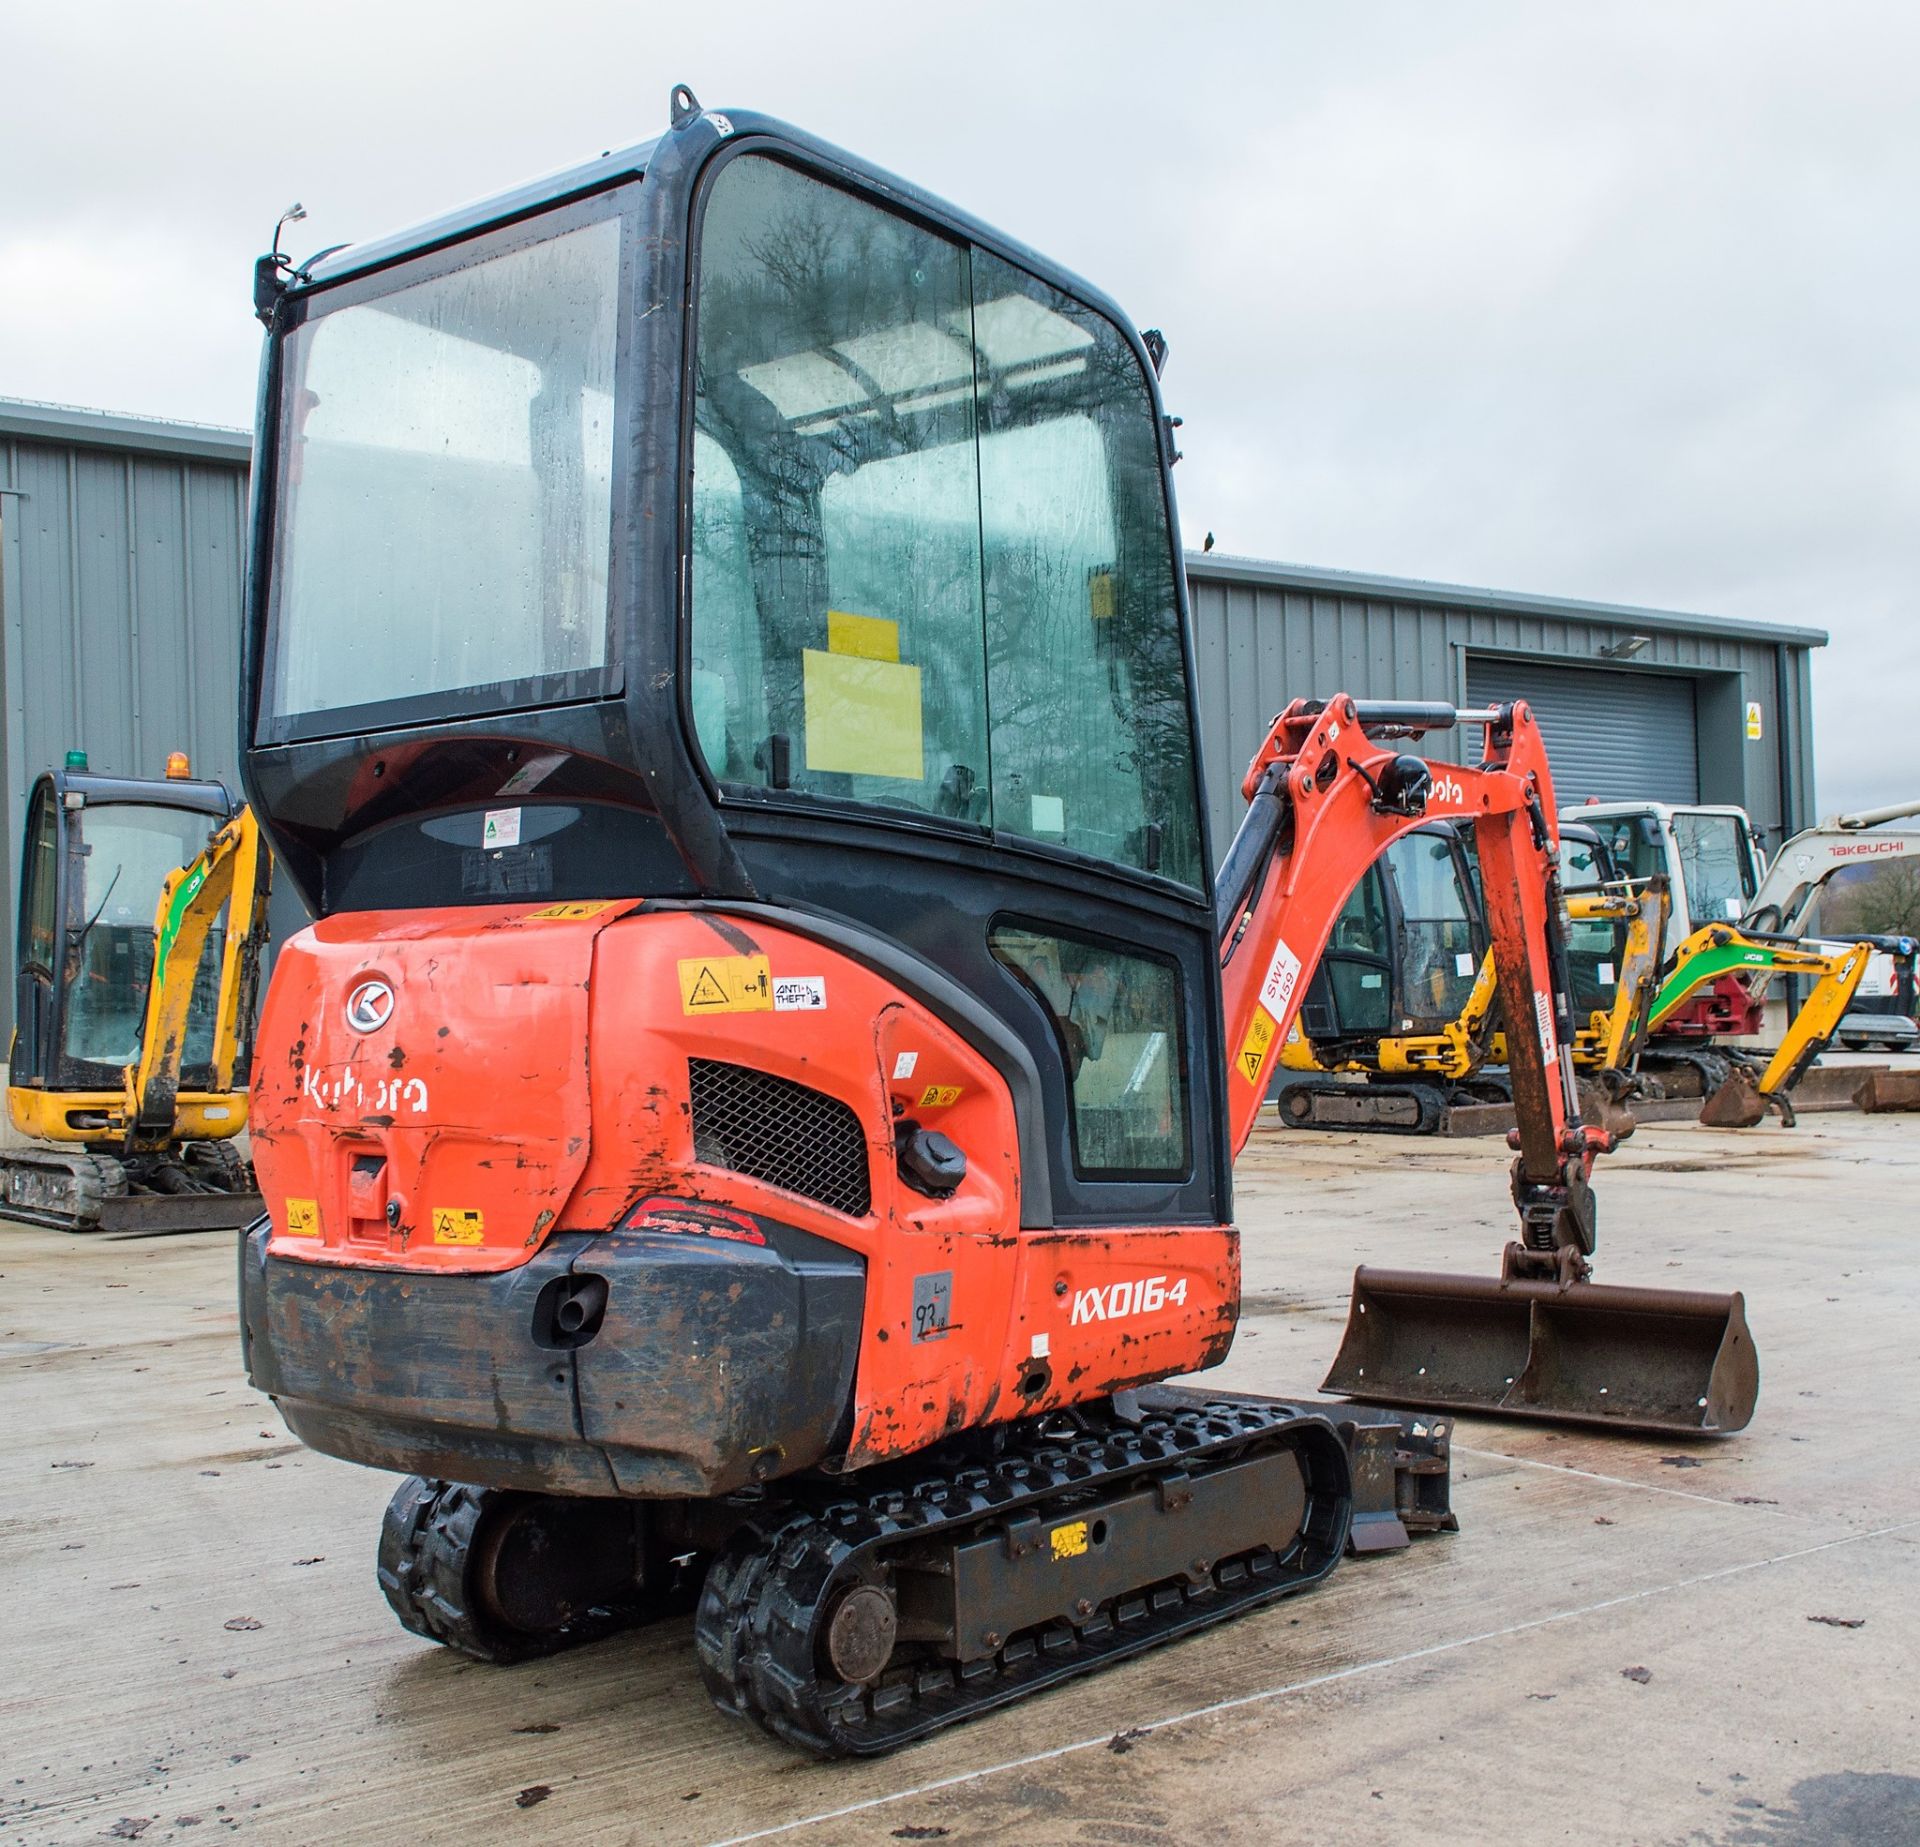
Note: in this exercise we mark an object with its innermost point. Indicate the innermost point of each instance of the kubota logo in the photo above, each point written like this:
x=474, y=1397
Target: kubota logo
x=1446, y=793
x=369, y=1006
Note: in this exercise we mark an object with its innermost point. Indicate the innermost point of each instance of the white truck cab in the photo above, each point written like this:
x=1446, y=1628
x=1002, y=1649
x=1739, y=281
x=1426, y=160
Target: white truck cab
x=1709, y=856
x=1717, y=873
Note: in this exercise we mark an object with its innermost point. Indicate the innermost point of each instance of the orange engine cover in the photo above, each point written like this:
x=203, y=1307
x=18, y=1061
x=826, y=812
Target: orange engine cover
x=443, y=1091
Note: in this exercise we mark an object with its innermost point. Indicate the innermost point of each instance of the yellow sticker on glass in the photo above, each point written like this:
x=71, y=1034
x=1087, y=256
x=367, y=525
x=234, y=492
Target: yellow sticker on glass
x=571, y=913
x=725, y=984
x=303, y=1218
x=938, y=1096
x=1069, y=1541
x=863, y=716
x=458, y=1225
x=873, y=638
x=1254, y=1047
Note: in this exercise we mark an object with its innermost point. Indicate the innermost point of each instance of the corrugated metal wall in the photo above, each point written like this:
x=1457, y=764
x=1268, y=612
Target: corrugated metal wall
x=1265, y=634
x=120, y=590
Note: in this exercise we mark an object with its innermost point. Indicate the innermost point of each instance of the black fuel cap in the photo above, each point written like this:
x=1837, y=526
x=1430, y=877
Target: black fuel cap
x=929, y=1162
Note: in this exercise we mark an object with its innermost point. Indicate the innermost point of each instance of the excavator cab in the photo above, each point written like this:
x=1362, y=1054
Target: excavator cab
x=98, y=849
x=101, y=853
x=1406, y=947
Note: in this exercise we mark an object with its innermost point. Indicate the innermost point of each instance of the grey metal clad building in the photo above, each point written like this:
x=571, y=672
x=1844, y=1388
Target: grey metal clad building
x=1635, y=704
x=122, y=548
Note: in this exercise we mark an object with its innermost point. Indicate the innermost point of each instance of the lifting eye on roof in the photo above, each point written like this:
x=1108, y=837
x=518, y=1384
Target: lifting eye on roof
x=683, y=106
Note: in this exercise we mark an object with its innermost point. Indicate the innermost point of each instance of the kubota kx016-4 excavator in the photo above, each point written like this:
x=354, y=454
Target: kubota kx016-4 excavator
x=143, y=918
x=759, y=1098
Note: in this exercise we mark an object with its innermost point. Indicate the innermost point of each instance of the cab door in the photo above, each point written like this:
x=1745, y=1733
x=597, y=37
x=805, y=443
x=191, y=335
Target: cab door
x=937, y=667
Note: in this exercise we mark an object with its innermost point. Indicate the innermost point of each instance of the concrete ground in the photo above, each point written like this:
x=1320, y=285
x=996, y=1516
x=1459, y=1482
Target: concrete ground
x=1628, y=1641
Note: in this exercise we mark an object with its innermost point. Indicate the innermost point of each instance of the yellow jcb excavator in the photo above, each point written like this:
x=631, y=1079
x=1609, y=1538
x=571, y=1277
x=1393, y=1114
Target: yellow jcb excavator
x=143, y=916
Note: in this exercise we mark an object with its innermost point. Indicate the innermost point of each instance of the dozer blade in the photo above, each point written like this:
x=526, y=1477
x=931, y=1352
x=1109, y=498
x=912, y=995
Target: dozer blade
x=1589, y=1353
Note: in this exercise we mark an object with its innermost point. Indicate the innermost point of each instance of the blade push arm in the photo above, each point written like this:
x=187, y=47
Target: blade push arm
x=236, y=869
x=1328, y=793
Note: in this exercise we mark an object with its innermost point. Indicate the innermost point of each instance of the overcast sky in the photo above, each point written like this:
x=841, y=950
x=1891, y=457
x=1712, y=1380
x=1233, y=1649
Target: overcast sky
x=1601, y=301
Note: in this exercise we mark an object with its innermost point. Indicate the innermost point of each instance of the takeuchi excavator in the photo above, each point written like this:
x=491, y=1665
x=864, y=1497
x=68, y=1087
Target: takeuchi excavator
x=143, y=919
x=754, y=1116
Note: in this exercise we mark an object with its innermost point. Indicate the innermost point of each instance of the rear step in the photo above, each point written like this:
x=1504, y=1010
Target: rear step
x=1668, y=1360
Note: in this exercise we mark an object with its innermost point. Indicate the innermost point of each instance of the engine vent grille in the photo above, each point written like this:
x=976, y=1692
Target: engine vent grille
x=772, y=1129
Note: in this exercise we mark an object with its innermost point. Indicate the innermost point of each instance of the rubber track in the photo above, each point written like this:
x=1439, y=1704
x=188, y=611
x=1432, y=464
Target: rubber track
x=770, y=1589
x=426, y=1537
x=1429, y=1101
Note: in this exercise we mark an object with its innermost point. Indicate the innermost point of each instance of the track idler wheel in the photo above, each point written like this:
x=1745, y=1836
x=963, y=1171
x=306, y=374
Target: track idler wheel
x=505, y=1576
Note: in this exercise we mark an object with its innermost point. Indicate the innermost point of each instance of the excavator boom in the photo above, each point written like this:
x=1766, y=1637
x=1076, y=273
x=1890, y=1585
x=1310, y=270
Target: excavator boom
x=1719, y=950
x=1329, y=792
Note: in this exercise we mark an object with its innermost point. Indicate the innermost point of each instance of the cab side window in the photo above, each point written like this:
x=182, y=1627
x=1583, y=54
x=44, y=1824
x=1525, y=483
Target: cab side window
x=1117, y=1016
x=38, y=921
x=930, y=557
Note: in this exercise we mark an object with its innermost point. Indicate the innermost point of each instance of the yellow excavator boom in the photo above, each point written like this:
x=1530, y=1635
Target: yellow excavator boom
x=233, y=870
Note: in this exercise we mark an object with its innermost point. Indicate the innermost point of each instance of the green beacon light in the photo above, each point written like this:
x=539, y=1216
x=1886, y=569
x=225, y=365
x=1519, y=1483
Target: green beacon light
x=76, y=759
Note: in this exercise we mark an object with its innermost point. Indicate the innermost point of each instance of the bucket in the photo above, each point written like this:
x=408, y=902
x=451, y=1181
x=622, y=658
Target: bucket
x=1668, y=1360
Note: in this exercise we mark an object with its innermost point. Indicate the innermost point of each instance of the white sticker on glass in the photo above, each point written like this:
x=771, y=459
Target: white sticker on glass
x=1606, y=974
x=501, y=828
x=1463, y=964
x=1049, y=814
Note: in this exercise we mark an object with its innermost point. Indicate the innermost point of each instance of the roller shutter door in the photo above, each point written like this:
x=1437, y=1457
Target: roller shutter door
x=1621, y=737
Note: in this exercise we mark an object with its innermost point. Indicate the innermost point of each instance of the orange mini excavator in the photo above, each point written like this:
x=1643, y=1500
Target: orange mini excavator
x=755, y=1115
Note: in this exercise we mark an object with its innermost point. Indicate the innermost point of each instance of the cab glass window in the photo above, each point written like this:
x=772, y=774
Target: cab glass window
x=447, y=482
x=127, y=851
x=929, y=557
x=1355, y=967
x=1716, y=865
x=38, y=918
x=836, y=633
x=1118, y=1020
x=1091, y=745
x=1439, y=958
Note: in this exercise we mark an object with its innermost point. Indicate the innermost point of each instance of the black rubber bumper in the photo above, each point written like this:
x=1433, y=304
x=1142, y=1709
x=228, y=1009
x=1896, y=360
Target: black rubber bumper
x=712, y=1363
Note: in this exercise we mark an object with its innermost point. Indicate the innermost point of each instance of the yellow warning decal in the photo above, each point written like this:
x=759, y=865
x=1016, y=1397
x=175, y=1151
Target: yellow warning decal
x=1255, y=1046
x=303, y=1218
x=572, y=913
x=725, y=984
x=938, y=1096
x=1069, y=1541
x=458, y=1225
